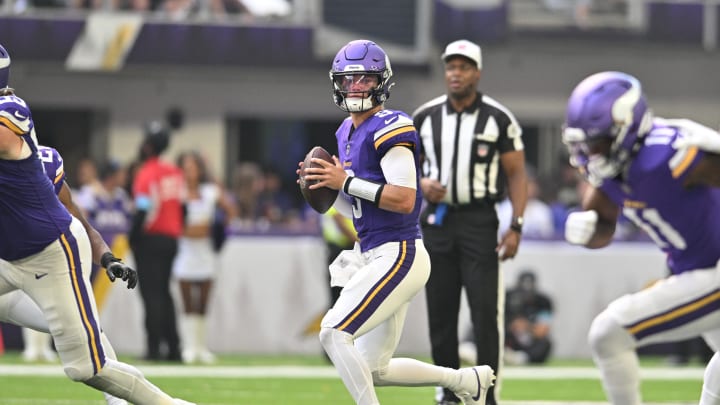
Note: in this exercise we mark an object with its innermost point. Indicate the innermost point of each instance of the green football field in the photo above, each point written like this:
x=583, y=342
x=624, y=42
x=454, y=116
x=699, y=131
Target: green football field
x=306, y=381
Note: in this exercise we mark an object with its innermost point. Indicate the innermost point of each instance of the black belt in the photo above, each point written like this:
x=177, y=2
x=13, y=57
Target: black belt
x=470, y=207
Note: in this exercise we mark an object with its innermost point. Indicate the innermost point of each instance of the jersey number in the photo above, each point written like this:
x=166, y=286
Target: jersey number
x=356, y=207
x=659, y=230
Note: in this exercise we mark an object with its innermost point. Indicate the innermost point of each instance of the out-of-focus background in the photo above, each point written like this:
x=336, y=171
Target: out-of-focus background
x=245, y=83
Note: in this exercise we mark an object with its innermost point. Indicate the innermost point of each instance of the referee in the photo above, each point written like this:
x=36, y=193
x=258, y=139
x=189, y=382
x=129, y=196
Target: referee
x=472, y=146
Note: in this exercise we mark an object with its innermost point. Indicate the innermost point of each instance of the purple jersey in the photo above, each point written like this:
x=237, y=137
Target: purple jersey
x=683, y=222
x=31, y=216
x=53, y=165
x=360, y=151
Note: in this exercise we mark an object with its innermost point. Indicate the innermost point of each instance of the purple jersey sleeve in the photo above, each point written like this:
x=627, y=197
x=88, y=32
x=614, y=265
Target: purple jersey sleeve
x=53, y=165
x=683, y=222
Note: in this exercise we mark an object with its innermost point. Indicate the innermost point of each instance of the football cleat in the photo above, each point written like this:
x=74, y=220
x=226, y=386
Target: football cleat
x=474, y=384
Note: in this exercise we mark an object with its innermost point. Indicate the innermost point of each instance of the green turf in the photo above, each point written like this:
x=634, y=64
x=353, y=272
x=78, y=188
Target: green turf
x=25, y=390
x=276, y=391
x=271, y=391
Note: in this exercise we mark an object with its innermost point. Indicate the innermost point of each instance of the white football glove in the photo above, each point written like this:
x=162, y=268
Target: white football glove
x=580, y=227
x=696, y=134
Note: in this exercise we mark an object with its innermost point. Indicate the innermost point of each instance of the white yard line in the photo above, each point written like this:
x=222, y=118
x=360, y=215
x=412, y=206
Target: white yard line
x=533, y=373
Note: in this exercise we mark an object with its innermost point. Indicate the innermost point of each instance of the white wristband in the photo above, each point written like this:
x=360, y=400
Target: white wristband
x=361, y=188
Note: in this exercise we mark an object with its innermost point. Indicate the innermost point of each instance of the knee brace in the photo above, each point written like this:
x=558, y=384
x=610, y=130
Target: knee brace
x=607, y=338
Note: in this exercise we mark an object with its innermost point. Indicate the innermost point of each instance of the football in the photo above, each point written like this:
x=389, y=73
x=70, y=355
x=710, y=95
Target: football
x=320, y=199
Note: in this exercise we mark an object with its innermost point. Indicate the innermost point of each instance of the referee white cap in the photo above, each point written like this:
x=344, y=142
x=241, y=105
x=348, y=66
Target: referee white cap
x=464, y=48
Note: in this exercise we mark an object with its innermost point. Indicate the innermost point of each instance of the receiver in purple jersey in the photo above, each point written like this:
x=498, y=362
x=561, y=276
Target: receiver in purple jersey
x=687, y=228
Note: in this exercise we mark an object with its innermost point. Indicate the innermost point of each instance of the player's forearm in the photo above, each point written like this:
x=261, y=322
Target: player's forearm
x=397, y=199
x=603, y=235
x=97, y=243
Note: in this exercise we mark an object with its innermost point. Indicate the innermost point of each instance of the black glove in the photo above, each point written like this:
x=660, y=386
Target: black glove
x=115, y=268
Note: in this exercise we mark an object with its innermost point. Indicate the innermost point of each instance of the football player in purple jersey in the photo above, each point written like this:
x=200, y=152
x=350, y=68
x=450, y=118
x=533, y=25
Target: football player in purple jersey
x=48, y=255
x=377, y=172
x=640, y=166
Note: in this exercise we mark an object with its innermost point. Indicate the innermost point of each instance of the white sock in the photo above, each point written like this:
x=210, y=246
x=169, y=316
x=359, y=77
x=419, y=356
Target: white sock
x=110, y=354
x=351, y=366
x=127, y=382
x=614, y=353
x=414, y=373
x=711, y=382
x=621, y=379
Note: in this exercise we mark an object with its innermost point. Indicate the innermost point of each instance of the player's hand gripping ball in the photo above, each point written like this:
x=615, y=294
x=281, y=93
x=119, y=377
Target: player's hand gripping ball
x=320, y=199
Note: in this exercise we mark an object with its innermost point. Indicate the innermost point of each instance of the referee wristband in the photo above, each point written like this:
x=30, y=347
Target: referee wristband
x=365, y=189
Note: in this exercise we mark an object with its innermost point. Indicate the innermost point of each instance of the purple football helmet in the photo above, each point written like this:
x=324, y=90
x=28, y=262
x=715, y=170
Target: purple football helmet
x=4, y=67
x=609, y=108
x=360, y=57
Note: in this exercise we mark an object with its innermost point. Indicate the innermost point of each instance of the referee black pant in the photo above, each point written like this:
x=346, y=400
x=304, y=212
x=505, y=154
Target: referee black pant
x=154, y=255
x=462, y=254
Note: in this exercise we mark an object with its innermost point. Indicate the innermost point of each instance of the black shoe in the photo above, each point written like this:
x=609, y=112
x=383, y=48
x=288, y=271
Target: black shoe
x=448, y=402
x=174, y=356
x=151, y=357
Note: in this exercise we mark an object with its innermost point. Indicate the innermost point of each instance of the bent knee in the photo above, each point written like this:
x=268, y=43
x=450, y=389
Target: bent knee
x=79, y=373
x=607, y=337
x=331, y=336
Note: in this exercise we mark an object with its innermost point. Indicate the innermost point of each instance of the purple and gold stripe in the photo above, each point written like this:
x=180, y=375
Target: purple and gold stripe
x=677, y=316
x=58, y=177
x=82, y=300
x=685, y=163
x=381, y=290
x=401, y=130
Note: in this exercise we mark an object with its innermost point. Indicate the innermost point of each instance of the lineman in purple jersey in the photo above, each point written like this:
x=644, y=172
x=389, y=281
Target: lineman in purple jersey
x=48, y=254
x=642, y=167
x=377, y=171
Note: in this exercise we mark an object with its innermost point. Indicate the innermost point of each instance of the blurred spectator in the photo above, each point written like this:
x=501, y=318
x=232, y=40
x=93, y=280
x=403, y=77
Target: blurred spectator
x=538, y=217
x=156, y=227
x=528, y=316
x=275, y=204
x=247, y=184
x=567, y=204
x=196, y=262
x=107, y=205
x=108, y=208
x=86, y=179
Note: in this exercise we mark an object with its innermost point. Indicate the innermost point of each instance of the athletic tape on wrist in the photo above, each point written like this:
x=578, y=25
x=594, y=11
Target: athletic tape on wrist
x=365, y=189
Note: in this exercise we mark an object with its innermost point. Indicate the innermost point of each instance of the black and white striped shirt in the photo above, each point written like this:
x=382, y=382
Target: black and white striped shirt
x=462, y=150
